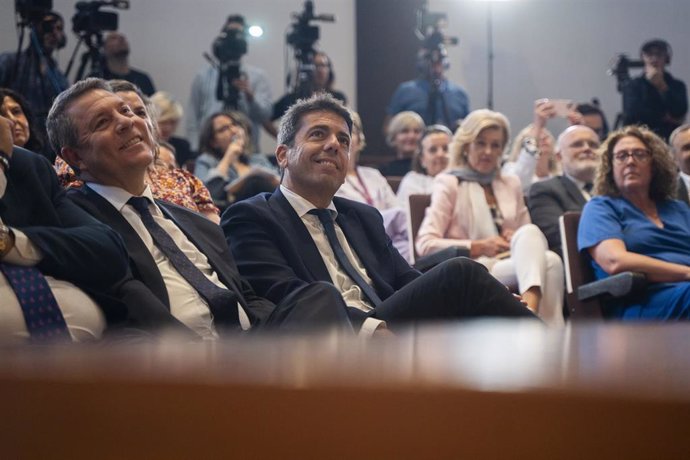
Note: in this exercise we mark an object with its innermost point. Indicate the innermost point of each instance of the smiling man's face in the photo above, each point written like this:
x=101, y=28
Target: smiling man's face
x=316, y=165
x=113, y=143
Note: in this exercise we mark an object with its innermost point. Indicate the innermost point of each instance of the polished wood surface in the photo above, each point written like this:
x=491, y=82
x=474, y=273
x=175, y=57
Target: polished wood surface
x=484, y=389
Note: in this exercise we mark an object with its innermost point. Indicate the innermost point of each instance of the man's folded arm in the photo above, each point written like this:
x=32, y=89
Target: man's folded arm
x=258, y=255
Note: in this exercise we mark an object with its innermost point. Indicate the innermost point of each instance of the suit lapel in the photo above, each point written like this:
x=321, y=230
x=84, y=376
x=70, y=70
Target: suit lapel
x=222, y=267
x=683, y=191
x=300, y=236
x=572, y=190
x=140, y=257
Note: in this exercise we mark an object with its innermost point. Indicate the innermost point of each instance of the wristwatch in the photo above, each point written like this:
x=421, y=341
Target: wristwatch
x=6, y=240
x=529, y=144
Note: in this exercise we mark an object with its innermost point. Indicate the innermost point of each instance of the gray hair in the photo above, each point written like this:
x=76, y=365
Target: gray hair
x=676, y=132
x=61, y=129
x=320, y=102
x=401, y=121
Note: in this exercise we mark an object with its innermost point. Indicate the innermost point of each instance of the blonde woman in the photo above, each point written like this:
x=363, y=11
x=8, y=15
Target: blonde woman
x=475, y=207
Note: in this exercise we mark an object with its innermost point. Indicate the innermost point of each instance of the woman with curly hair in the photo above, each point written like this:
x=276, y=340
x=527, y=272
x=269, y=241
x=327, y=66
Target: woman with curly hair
x=635, y=224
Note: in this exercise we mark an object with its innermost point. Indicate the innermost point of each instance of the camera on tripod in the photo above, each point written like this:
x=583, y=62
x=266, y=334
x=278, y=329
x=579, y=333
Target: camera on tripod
x=230, y=45
x=303, y=34
x=32, y=10
x=302, y=38
x=430, y=32
x=621, y=69
x=89, y=20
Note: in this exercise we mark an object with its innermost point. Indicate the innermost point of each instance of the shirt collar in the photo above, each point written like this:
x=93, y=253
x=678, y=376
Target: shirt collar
x=301, y=205
x=580, y=184
x=117, y=196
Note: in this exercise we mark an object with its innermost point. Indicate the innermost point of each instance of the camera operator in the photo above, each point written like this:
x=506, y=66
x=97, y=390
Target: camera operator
x=251, y=88
x=322, y=81
x=436, y=99
x=116, y=54
x=34, y=73
x=655, y=98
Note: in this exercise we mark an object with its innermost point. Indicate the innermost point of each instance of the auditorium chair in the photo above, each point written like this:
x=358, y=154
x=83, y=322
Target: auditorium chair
x=415, y=216
x=585, y=297
x=394, y=182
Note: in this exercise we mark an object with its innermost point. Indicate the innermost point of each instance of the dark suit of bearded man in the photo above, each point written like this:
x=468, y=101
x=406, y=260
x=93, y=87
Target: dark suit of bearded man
x=548, y=200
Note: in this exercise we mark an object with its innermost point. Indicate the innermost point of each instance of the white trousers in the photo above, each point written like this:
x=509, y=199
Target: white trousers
x=532, y=264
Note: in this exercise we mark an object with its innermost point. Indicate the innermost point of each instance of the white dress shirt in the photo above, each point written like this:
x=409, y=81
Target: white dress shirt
x=580, y=185
x=85, y=320
x=351, y=292
x=185, y=302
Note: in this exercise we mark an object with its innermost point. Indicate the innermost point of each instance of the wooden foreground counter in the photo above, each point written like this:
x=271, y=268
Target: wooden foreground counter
x=469, y=390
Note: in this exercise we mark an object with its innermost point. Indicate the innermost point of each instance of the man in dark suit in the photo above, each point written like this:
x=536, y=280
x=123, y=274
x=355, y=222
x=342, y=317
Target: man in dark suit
x=287, y=239
x=45, y=236
x=680, y=146
x=179, y=255
x=548, y=200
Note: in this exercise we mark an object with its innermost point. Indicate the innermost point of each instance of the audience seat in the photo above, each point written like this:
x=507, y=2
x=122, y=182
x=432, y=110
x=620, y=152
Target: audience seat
x=394, y=182
x=415, y=216
x=585, y=297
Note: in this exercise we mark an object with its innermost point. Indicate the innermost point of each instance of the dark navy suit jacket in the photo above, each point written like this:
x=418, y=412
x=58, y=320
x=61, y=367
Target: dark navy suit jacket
x=75, y=246
x=203, y=233
x=276, y=254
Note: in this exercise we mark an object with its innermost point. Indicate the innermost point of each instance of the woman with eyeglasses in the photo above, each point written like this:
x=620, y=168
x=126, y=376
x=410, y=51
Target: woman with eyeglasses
x=476, y=207
x=635, y=224
x=227, y=164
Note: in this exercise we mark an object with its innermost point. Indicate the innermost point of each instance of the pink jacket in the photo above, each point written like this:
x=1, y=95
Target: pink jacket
x=448, y=220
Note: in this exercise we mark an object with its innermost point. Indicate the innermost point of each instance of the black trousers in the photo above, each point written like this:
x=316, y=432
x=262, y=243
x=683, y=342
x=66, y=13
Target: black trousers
x=456, y=289
x=315, y=306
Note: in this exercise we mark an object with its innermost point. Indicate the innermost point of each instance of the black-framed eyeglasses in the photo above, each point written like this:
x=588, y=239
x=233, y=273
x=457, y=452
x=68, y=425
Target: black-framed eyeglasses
x=640, y=155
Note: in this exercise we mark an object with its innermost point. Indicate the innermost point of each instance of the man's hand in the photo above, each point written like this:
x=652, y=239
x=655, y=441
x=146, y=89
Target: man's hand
x=236, y=146
x=655, y=76
x=543, y=110
x=242, y=85
x=6, y=141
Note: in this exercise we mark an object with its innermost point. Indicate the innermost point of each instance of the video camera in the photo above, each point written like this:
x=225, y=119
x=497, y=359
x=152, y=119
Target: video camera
x=621, y=69
x=89, y=20
x=429, y=31
x=230, y=45
x=32, y=10
x=302, y=38
x=303, y=35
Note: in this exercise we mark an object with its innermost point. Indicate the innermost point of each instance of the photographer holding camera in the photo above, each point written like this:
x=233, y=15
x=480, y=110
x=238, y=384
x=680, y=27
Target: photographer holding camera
x=655, y=98
x=34, y=73
x=229, y=85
